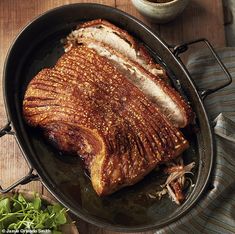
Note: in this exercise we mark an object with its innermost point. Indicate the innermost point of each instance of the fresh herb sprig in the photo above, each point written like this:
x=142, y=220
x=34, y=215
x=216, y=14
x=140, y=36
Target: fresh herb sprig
x=18, y=213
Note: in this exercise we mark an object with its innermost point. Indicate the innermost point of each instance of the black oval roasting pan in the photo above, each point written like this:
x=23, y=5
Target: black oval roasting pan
x=39, y=46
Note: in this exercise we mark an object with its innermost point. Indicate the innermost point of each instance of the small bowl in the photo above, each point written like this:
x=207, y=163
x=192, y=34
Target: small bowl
x=160, y=12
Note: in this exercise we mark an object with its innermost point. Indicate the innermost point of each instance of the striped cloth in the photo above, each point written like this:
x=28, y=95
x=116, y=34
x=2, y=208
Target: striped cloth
x=215, y=212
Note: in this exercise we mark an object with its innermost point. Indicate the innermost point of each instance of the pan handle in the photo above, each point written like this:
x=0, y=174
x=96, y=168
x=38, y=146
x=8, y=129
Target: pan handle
x=178, y=49
x=7, y=129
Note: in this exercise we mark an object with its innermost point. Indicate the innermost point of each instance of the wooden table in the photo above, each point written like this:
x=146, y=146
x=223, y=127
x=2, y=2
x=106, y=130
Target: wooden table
x=200, y=19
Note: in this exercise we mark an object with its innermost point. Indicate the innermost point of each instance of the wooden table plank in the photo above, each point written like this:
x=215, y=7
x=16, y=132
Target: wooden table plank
x=200, y=19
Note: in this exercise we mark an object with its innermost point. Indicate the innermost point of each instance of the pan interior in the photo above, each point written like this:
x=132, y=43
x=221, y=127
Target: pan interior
x=63, y=174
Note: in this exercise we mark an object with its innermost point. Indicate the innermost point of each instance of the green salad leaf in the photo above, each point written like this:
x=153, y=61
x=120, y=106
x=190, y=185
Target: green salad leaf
x=18, y=213
x=37, y=203
x=5, y=205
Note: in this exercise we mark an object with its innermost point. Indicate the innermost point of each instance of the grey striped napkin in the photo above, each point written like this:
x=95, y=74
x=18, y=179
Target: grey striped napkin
x=215, y=212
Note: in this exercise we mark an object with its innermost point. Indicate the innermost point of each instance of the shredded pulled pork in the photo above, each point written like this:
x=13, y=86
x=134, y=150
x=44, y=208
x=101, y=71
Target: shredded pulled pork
x=175, y=182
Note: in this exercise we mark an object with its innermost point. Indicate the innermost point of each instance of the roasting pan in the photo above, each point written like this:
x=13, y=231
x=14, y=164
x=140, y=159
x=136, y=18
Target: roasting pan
x=39, y=46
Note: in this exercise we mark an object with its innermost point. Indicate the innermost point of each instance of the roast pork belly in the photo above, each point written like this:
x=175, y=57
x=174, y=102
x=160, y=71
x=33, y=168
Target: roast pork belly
x=118, y=39
x=166, y=98
x=87, y=106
